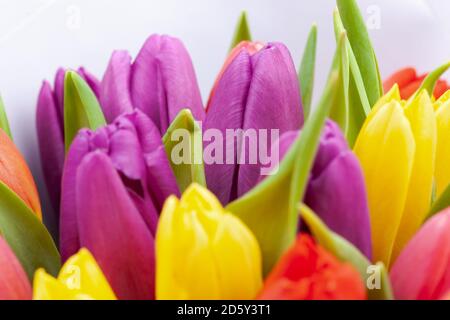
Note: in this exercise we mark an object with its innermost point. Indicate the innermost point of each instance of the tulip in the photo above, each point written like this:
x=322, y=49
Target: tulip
x=50, y=130
x=16, y=175
x=14, y=283
x=422, y=270
x=408, y=82
x=114, y=184
x=336, y=190
x=442, y=172
x=79, y=279
x=204, y=252
x=396, y=148
x=256, y=89
x=309, y=272
x=160, y=82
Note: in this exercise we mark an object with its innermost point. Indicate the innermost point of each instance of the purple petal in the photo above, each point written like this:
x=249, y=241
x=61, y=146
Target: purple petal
x=69, y=238
x=115, y=87
x=51, y=142
x=91, y=80
x=59, y=93
x=163, y=81
x=113, y=230
x=273, y=102
x=226, y=111
x=338, y=196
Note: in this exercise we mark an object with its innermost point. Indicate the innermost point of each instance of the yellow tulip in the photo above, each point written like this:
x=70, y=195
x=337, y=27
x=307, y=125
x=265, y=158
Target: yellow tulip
x=396, y=147
x=205, y=252
x=442, y=170
x=79, y=279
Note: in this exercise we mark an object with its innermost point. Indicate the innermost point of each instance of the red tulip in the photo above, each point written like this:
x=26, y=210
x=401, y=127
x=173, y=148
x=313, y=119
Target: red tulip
x=309, y=272
x=408, y=81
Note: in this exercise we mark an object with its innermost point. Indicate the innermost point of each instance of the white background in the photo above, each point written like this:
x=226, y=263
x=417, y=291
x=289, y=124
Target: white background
x=38, y=36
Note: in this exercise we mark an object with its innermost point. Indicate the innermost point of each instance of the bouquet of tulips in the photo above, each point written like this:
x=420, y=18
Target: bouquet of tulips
x=257, y=195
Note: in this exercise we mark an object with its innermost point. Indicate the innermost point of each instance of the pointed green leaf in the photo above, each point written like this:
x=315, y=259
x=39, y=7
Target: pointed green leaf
x=430, y=80
x=347, y=252
x=358, y=102
x=81, y=107
x=184, y=147
x=358, y=36
x=26, y=235
x=268, y=208
x=441, y=203
x=242, y=32
x=306, y=71
x=4, y=123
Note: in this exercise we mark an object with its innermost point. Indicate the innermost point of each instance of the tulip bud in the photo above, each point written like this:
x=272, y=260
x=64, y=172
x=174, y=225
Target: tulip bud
x=50, y=130
x=14, y=283
x=308, y=272
x=408, y=82
x=396, y=147
x=80, y=278
x=256, y=89
x=422, y=270
x=115, y=182
x=204, y=252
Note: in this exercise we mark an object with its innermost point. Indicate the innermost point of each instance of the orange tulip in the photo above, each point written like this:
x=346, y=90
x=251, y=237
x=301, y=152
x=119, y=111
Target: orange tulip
x=408, y=82
x=16, y=175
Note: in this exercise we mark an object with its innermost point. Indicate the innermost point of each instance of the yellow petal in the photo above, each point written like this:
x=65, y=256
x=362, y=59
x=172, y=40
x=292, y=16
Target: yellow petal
x=421, y=117
x=204, y=252
x=385, y=147
x=79, y=279
x=442, y=169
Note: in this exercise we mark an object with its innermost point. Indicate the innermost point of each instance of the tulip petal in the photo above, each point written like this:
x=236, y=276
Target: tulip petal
x=442, y=171
x=91, y=80
x=421, y=117
x=113, y=230
x=163, y=81
x=387, y=169
x=51, y=142
x=115, y=96
x=14, y=284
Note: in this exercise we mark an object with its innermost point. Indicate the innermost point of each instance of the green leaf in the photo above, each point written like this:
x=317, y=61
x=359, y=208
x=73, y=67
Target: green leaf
x=26, y=235
x=242, y=32
x=306, y=71
x=4, y=123
x=268, y=209
x=184, y=147
x=347, y=252
x=430, y=80
x=441, y=203
x=358, y=36
x=81, y=107
x=358, y=107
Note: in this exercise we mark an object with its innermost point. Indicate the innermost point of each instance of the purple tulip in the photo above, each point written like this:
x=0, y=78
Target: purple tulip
x=50, y=130
x=115, y=182
x=257, y=89
x=160, y=82
x=336, y=190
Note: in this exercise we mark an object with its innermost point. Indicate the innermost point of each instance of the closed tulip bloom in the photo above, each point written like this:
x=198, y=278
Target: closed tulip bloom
x=204, y=252
x=422, y=270
x=115, y=182
x=50, y=130
x=16, y=175
x=257, y=89
x=409, y=82
x=308, y=272
x=14, y=283
x=336, y=189
x=160, y=82
x=80, y=278
x=442, y=172
x=396, y=147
